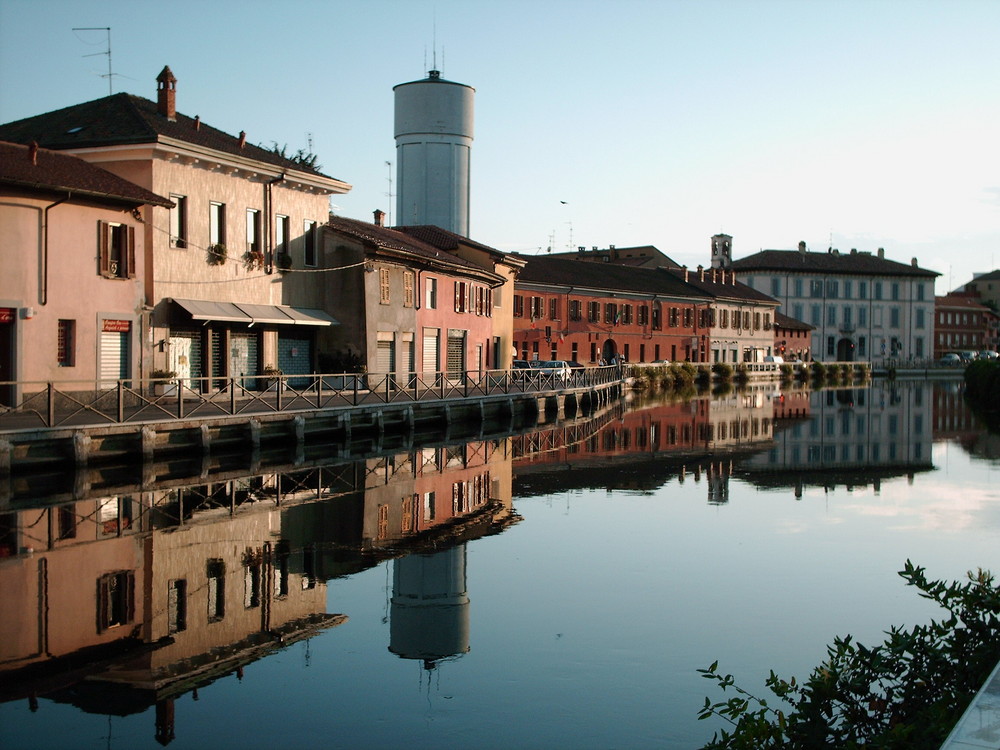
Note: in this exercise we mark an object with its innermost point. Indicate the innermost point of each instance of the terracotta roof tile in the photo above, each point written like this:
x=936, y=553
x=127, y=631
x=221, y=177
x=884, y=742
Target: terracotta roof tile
x=54, y=171
x=127, y=119
x=830, y=262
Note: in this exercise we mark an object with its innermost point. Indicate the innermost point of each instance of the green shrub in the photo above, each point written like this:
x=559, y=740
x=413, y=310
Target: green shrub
x=723, y=370
x=906, y=693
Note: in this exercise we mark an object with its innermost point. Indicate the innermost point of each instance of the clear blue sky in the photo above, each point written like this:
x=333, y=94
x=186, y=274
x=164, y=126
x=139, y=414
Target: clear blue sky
x=868, y=124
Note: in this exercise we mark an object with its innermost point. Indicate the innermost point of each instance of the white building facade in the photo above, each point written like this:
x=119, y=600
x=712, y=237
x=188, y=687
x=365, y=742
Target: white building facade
x=863, y=306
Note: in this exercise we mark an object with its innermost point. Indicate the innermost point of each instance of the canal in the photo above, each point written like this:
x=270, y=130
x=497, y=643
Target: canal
x=555, y=588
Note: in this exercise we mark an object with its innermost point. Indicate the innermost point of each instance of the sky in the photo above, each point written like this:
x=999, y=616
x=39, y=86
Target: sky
x=845, y=124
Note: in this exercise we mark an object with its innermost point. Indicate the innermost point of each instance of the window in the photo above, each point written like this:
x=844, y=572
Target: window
x=309, y=238
x=216, y=571
x=66, y=343
x=115, y=599
x=178, y=221
x=254, y=248
x=216, y=223
x=724, y=319
x=518, y=306
x=409, y=280
x=643, y=315
x=894, y=317
x=862, y=316
x=688, y=317
x=816, y=288
x=383, y=286
x=574, y=309
x=830, y=346
x=832, y=289
x=176, y=606
x=657, y=319
x=281, y=234
x=553, y=309
x=593, y=312
x=878, y=290
x=920, y=317
x=862, y=346
x=862, y=290
x=895, y=290
x=775, y=286
x=920, y=292
x=610, y=312
x=431, y=295
x=537, y=308
x=117, y=250
x=672, y=317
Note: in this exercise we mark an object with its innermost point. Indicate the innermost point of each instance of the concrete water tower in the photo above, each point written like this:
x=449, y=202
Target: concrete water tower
x=433, y=133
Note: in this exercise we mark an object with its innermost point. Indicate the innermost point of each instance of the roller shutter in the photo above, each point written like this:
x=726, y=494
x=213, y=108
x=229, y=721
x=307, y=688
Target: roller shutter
x=430, y=350
x=456, y=352
x=114, y=355
x=243, y=358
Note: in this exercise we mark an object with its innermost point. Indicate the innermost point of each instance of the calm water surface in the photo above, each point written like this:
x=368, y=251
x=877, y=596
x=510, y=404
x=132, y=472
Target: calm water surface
x=558, y=589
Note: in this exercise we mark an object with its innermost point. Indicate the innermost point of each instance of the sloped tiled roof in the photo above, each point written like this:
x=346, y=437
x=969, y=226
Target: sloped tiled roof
x=51, y=170
x=376, y=237
x=716, y=287
x=960, y=301
x=789, y=323
x=642, y=256
x=544, y=269
x=830, y=262
x=445, y=240
x=122, y=119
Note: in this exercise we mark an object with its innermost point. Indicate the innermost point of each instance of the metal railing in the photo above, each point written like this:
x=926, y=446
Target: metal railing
x=71, y=403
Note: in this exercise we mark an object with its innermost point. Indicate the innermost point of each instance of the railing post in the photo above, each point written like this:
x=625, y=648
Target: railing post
x=180, y=398
x=51, y=406
x=279, y=386
x=355, y=378
x=232, y=395
x=121, y=402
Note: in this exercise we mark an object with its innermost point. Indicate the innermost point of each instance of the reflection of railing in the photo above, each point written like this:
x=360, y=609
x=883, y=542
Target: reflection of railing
x=80, y=403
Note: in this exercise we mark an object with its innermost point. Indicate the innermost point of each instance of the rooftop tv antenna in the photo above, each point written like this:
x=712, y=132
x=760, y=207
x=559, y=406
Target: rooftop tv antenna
x=390, y=195
x=107, y=29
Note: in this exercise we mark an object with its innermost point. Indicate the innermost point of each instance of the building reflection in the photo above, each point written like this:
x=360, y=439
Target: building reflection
x=645, y=445
x=854, y=437
x=116, y=604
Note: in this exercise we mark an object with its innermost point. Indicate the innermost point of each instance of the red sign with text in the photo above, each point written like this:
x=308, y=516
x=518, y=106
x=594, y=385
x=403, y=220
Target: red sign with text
x=117, y=326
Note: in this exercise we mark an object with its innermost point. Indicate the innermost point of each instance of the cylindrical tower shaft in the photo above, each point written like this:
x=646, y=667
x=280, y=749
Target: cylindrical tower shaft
x=433, y=132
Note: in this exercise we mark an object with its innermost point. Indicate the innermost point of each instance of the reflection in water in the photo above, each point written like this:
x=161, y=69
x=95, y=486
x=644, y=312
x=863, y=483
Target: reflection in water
x=115, y=604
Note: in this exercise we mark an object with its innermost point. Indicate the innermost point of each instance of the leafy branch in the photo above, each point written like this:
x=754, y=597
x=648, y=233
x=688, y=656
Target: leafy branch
x=907, y=692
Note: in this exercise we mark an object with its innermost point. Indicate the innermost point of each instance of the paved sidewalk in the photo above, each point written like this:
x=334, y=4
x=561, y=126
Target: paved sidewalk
x=979, y=727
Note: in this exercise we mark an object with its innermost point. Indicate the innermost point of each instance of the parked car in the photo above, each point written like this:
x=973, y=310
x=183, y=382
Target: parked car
x=557, y=368
x=951, y=359
x=986, y=354
x=775, y=359
x=968, y=356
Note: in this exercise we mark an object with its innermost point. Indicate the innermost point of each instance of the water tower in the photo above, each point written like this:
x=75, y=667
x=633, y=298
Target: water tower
x=433, y=133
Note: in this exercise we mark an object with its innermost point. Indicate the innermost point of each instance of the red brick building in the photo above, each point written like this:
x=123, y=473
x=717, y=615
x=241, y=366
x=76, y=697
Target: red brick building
x=962, y=323
x=792, y=338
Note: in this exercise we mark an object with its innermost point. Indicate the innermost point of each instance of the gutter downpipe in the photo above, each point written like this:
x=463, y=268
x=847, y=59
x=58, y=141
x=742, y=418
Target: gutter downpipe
x=43, y=296
x=268, y=239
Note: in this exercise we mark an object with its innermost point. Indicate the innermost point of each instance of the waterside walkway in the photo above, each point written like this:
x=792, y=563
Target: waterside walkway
x=979, y=727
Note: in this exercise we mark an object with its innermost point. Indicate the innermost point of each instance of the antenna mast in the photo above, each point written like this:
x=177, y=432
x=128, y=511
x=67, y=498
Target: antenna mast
x=107, y=29
x=390, y=195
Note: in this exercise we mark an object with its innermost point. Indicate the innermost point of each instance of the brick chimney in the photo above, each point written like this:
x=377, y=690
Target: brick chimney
x=379, y=217
x=166, y=94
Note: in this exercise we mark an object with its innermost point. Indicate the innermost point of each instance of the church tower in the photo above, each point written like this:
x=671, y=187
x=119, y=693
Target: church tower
x=722, y=251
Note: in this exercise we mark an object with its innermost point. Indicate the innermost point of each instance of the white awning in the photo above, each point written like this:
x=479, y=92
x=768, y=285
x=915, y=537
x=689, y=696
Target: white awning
x=248, y=313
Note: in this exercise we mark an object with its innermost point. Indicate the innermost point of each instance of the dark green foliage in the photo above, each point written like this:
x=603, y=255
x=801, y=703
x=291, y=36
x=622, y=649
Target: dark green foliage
x=982, y=382
x=305, y=159
x=906, y=693
x=723, y=370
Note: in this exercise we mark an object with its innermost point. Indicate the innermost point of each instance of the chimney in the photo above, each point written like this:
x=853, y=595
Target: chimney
x=802, y=246
x=243, y=138
x=197, y=122
x=166, y=94
x=732, y=275
x=685, y=273
x=701, y=273
x=913, y=262
x=33, y=153
x=379, y=217
x=881, y=252
x=723, y=276
x=581, y=249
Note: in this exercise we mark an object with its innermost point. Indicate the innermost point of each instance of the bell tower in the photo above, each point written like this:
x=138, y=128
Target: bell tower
x=722, y=251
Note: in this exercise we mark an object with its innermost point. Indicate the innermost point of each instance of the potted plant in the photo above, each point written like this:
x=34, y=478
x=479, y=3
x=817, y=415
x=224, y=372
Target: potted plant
x=163, y=388
x=253, y=260
x=215, y=255
x=272, y=378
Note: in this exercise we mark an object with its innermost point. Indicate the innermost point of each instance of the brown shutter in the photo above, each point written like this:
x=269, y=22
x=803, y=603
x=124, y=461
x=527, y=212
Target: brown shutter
x=103, y=255
x=130, y=268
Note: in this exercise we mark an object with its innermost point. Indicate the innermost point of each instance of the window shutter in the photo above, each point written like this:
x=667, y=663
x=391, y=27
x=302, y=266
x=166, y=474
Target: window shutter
x=130, y=269
x=103, y=255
